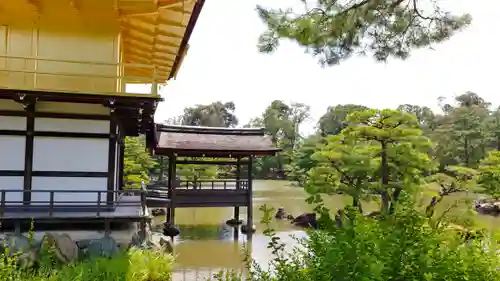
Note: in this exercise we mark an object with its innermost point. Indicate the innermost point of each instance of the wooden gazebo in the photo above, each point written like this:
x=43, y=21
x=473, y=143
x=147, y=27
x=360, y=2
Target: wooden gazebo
x=193, y=145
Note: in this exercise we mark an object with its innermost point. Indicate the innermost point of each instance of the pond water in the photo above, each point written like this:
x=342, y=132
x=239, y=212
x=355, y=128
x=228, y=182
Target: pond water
x=207, y=245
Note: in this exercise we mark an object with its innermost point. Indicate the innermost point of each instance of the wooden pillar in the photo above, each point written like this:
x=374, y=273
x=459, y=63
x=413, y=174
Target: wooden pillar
x=238, y=187
x=121, y=178
x=249, y=198
x=171, y=188
x=28, y=151
x=113, y=137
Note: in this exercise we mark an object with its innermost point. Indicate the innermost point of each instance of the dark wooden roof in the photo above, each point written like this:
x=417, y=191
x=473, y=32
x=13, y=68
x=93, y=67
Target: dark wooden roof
x=212, y=142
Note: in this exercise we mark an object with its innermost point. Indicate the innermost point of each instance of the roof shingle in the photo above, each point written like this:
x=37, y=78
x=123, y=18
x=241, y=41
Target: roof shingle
x=212, y=142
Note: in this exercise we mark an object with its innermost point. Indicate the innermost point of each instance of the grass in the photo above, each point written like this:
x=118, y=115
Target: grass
x=133, y=265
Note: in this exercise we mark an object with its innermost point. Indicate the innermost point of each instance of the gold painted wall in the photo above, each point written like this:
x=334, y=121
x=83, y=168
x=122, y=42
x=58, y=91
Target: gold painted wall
x=39, y=43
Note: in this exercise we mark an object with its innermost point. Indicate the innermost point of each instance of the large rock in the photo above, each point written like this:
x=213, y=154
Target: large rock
x=158, y=212
x=306, y=220
x=161, y=242
x=14, y=244
x=28, y=259
x=234, y=222
x=104, y=247
x=170, y=230
x=487, y=207
x=280, y=214
x=245, y=230
x=65, y=249
x=25, y=249
x=155, y=242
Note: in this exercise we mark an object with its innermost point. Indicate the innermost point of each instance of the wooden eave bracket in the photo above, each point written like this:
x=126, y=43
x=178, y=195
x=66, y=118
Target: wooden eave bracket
x=37, y=4
x=76, y=5
x=27, y=101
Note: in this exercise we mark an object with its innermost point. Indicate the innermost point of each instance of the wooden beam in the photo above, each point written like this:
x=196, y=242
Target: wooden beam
x=180, y=10
x=130, y=25
x=210, y=162
x=148, y=47
x=135, y=55
x=149, y=54
x=141, y=37
x=167, y=3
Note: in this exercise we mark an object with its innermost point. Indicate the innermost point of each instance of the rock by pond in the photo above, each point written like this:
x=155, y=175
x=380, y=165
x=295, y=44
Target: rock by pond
x=281, y=214
x=66, y=250
x=487, y=207
x=170, y=230
x=158, y=212
x=306, y=220
x=245, y=230
x=234, y=222
x=104, y=247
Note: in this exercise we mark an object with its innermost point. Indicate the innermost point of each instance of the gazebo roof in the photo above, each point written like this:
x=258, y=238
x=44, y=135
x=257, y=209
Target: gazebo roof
x=212, y=142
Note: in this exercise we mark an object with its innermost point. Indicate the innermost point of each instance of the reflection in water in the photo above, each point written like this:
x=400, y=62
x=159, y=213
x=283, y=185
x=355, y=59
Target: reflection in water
x=206, y=232
x=206, y=244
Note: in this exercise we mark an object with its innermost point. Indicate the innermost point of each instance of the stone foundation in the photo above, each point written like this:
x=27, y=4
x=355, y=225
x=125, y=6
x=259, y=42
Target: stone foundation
x=72, y=245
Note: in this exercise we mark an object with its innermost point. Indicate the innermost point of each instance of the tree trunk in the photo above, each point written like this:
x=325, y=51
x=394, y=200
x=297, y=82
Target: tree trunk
x=395, y=198
x=384, y=178
x=466, y=151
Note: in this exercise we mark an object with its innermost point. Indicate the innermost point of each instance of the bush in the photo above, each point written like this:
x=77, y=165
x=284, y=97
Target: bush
x=403, y=246
x=136, y=265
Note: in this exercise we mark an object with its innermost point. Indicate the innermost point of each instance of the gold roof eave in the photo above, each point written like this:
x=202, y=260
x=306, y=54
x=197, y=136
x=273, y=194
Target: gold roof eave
x=159, y=38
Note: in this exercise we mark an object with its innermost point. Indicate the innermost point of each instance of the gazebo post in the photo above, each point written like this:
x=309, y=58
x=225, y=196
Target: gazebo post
x=172, y=182
x=170, y=176
x=238, y=186
x=249, y=198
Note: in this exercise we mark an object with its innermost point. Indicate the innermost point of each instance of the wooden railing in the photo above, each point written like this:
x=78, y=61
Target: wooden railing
x=217, y=184
x=131, y=199
x=77, y=76
x=200, y=274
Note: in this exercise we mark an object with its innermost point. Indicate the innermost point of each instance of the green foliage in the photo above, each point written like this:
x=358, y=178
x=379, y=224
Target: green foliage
x=380, y=152
x=345, y=166
x=134, y=265
x=403, y=246
x=281, y=123
x=193, y=173
x=216, y=114
x=334, y=30
x=489, y=178
x=301, y=160
x=333, y=121
x=137, y=162
x=455, y=179
x=461, y=132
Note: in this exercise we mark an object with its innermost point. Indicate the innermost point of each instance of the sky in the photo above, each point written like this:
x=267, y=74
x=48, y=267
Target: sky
x=223, y=64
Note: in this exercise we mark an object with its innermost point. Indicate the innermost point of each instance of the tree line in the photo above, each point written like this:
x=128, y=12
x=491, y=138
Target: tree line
x=462, y=133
